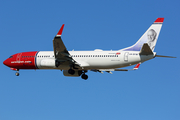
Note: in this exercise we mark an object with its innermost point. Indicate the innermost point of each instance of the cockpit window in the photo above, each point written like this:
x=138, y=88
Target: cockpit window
x=10, y=56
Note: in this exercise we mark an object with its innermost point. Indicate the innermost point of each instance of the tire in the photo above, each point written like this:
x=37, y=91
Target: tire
x=84, y=76
x=17, y=74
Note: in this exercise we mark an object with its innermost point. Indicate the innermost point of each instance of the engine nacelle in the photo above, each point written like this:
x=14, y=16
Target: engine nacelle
x=48, y=63
x=76, y=74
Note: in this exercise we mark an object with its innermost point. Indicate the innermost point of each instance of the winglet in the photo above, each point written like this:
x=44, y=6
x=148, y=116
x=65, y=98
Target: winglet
x=60, y=31
x=136, y=67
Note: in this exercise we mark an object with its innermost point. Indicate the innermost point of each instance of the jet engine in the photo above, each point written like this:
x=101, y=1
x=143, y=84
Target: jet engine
x=76, y=74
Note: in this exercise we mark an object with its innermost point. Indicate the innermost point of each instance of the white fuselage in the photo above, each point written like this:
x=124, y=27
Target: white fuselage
x=97, y=59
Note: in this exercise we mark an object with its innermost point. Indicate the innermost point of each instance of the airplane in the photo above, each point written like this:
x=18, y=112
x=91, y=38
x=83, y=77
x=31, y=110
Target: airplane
x=77, y=63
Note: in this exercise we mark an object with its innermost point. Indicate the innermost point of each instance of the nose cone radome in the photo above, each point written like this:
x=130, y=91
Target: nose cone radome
x=6, y=62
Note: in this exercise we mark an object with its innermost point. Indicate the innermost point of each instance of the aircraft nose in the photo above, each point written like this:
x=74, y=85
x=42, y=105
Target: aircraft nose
x=5, y=62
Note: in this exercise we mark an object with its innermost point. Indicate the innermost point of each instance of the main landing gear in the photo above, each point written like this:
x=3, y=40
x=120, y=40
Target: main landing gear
x=84, y=76
x=80, y=73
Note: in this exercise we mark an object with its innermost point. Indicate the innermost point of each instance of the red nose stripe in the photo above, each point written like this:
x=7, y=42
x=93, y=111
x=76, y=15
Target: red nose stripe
x=24, y=60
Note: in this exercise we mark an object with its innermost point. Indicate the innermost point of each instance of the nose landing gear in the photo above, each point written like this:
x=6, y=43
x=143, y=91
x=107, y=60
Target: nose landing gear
x=17, y=73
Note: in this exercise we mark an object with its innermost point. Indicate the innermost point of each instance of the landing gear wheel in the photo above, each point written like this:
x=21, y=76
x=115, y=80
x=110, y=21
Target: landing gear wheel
x=17, y=74
x=84, y=76
x=71, y=71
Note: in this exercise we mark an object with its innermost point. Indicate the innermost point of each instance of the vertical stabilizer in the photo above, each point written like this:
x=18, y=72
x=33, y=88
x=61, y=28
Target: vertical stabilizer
x=150, y=37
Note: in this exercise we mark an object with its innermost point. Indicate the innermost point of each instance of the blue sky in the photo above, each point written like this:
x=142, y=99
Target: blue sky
x=152, y=92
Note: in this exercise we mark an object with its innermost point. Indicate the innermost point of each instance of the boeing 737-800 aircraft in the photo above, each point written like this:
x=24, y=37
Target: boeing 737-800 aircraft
x=77, y=63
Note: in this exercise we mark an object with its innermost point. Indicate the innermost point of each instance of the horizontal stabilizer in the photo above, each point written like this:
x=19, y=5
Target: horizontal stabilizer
x=145, y=50
x=120, y=69
x=136, y=67
x=116, y=69
x=165, y=56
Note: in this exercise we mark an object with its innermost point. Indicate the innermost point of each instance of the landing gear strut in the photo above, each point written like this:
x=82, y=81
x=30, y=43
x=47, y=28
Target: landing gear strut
x=17, y=73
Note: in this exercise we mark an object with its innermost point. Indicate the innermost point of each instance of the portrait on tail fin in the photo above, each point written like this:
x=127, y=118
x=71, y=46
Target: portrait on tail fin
x=151, y=35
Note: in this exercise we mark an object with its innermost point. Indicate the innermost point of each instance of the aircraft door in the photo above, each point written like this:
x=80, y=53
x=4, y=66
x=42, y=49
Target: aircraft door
x=126, y=56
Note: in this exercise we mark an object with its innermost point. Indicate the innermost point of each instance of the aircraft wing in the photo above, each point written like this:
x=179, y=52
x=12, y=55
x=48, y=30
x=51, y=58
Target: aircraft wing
x=60, y=52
